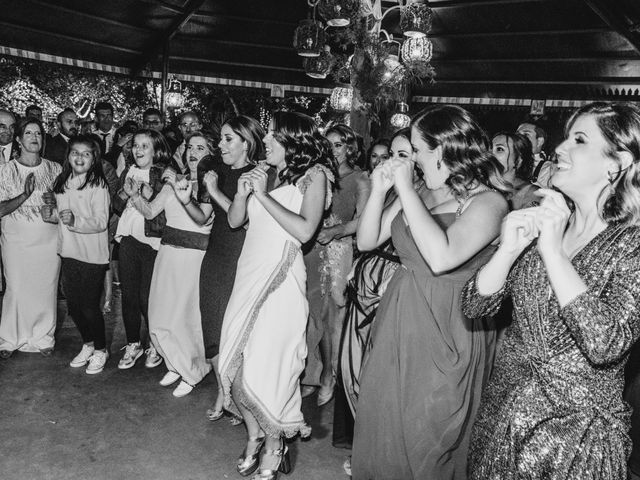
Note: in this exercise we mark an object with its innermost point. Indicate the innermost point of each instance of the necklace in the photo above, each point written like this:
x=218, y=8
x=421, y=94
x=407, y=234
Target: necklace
x=463, y=201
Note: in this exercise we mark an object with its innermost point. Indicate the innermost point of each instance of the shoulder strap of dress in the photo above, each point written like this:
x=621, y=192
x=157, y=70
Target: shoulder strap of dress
x=463, y=203
x=304, y=181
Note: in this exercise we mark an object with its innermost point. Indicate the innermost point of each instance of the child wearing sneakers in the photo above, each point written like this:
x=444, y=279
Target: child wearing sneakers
x=139, y=239
x=81, y=210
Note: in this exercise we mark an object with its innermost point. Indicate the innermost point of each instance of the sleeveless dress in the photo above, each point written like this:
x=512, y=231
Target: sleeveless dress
x=421, y=383
x=263, y=334
x=218, y=269
x=174, y=316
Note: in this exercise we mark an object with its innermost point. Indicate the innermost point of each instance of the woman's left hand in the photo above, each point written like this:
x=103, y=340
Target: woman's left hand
x=258, y=181
x=402, y=174
x=67, y=218
x=551, y=219
x=146, y=191
x=328, y=234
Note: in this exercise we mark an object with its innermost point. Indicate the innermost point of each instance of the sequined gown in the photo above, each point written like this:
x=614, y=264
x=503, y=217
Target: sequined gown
x=553, y=409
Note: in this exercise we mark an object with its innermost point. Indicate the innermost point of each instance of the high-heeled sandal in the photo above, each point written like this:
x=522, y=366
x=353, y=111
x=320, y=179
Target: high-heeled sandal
x=284, y=464
x=248, y=462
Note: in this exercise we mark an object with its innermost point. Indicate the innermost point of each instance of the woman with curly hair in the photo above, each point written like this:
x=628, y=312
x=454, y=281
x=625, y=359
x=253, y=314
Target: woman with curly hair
x=554, y=408
x=514, y=152
x=421, y=383
x=328, y=264
x=263, y=347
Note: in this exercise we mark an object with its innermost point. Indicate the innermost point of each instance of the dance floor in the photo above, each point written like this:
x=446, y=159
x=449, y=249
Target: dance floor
x=58, y=423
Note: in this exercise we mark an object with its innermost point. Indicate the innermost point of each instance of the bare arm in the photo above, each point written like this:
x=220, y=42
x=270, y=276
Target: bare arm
x=153, y=208
x=9, y=206
x=237, y=214
x=199, y=213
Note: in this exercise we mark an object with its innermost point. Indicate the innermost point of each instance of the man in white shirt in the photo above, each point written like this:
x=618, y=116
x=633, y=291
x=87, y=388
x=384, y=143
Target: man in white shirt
x=104, y=126
x=189, y=123
x=7, y=129
x=542, y=166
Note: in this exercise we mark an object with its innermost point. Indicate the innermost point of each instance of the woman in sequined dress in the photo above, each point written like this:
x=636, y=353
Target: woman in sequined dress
x=421, y=382
x=554, y=407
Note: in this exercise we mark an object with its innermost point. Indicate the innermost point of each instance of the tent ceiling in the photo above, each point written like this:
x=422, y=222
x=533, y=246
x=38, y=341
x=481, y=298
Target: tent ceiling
x=532, y=48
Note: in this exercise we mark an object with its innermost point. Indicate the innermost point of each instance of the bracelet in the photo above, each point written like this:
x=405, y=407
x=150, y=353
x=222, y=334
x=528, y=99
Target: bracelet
x=189, y=202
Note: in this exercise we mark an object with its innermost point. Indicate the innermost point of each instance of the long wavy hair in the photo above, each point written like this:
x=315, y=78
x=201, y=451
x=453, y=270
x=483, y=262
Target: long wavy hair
x=619, y=124
x=249, y=130
x=349, y=138
x=466, y=150
x=522, y=152
x=383, y=142
x=303, y=145
x=161, y=150
x=95, y=175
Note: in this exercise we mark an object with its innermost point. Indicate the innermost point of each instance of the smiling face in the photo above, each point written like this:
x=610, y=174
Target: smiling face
x=379, y=153
x=31, y=139
x=143, y=151
x=582, y=165
x=274, y=150
x=338, y=147
x=232, y=147
x=80, y=158
x=427, y=160
x=401, y=149
x=197, y=149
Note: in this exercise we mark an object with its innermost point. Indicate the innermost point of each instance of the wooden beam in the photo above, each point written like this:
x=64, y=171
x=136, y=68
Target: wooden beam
x=165, y=36
x=588, y=81
x=611, y=18
x=236, y=64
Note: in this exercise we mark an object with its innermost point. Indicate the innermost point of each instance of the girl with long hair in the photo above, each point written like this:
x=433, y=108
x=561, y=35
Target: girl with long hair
x=421, y=383
x=554, y=408
x=81, y=211
x=513, y=151
x=263, y=345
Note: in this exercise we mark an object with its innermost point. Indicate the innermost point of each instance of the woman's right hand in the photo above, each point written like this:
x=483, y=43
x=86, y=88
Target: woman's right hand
x=130, y=187
x=244, y=185
x=211, y=182
x=382, y=177
x=29, y=185
x=518, y=231
x=183, y=190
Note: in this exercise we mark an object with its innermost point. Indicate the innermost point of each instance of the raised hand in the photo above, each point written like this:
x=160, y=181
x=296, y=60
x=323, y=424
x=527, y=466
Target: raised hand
x=131, y=187
x=402, y=174
x=46, y=211
x=382, y=177
x=244, y=185
x=553, y=216
x=29, y=184
x=49, y=198
x=258, y=181
x=211, y=182
x=183, y=190
x=169, y=176
x=519, y=229
x=146, y=191
x=67, y=217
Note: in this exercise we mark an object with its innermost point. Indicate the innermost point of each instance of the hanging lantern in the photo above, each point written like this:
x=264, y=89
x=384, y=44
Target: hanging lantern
x=400, y=119
x=174, y=97
x=319, y=67
x=392, y=66
x=417, y=49
x=308, y=38
x=415, y=19
x=341, y=99
x=338, y=13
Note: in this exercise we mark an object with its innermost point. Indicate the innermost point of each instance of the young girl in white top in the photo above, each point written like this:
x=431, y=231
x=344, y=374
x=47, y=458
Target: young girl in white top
x=81, y=211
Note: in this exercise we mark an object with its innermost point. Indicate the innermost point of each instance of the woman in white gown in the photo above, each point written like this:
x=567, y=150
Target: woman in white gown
x=29, y=247
x=263, y=347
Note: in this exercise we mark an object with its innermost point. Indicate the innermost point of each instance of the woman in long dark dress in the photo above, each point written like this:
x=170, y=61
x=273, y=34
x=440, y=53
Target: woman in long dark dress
x=554, y=409
x=421, y=383
x=240, y=147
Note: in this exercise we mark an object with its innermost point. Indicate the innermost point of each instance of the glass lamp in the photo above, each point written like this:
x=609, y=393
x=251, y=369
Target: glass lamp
x=417, y=49
x=308, y=38
x=415, y=19
x=341, y=99
x=174, y=97
x=319, y=67
x=401, y=119
x=338, y=13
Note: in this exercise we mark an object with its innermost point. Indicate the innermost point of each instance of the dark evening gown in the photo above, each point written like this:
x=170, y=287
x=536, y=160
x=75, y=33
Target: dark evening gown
x=421, y=383
x=218, y=269
x=553, y=409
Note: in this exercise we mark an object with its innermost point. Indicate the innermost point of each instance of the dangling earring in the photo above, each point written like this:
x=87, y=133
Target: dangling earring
x=610, y=178
x=439, y=164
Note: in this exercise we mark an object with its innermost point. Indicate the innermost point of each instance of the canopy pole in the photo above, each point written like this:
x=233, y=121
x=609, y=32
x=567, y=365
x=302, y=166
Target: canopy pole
x=165, y=77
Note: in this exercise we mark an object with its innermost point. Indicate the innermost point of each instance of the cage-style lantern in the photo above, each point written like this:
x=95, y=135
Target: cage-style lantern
x=417, y=49
x=338, y=13
x=319, y=67
x=341, y=99
x=401, y=119
x=392, y=67
x=415, y=19
x=308, y=39
x=174, y=97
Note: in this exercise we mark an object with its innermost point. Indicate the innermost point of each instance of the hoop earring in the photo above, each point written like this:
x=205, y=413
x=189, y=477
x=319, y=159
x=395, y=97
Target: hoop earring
x=439, y=164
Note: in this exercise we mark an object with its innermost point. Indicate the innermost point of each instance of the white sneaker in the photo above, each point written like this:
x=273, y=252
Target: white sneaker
x=132, y=352
x=82, y=358
x=153, y=359
x=97, y=362
x=182, y=389
x=169, y=378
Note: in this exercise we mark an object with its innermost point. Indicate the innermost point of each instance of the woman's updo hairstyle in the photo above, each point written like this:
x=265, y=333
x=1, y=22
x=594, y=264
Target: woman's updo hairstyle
x=249, y=130
x=303, y=145
x=349, y=138
x=466, y=150
x=619, y=124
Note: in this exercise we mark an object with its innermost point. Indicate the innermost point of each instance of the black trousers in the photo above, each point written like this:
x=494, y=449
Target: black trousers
x=135, y=268
x=83, y=283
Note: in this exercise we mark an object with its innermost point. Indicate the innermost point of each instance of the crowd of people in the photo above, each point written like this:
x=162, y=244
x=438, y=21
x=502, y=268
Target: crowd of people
x=468, y=301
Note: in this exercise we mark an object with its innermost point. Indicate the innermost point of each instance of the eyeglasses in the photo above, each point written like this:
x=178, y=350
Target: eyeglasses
x=190, y=125
x=86, y=155
x=6, y=127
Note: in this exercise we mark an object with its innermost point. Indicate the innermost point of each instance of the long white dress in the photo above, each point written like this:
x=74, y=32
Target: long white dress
x=31, y=263
x=263, y=333
x=174, y=310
